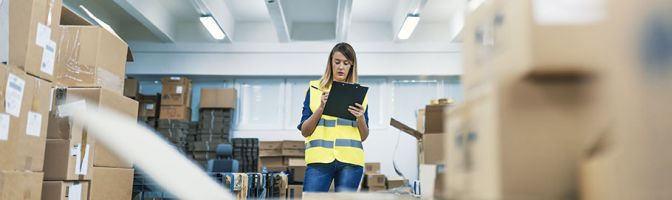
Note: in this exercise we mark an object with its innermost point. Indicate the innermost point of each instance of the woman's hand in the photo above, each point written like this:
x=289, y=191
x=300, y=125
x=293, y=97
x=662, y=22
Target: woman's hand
x=357, y=110
x=325, y=97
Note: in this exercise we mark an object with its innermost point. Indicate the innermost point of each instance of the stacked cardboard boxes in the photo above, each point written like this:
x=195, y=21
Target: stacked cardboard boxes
x=23, y=138
x=175, y=131
x=216, y=114
x=532, y=98
x=148, y=110
x=374, y=181
x=246, y=151
x=89, y=70
x=176, y=98
x=275, y=155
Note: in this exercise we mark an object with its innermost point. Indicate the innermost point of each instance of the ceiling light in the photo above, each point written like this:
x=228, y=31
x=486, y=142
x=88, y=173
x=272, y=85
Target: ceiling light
x=408, y=27
x=215, y=30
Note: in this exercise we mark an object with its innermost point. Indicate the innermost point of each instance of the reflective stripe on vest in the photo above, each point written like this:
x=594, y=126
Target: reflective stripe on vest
x=337, y=122
x=330, y=144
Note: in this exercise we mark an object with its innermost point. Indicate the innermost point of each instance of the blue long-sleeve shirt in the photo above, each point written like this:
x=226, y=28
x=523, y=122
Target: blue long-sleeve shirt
x=307, y=112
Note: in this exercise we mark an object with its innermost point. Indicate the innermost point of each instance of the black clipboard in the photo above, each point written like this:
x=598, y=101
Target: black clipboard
x=341, y=96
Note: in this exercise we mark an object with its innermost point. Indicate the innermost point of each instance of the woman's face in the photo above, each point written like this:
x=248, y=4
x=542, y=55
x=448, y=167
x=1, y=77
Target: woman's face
x=340, y=67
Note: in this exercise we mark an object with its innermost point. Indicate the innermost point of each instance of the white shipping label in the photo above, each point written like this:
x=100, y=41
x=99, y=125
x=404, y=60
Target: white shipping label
x=81, y=166
x=14, y=91
x=4, y=126
x=43, y=35
x=178, y=89
x=175, y=78
x=569, y=12
x=75, y=192
x=34, y=124
x=149, y=106
x=48, y=57
x=69, y=109
x=76, y=151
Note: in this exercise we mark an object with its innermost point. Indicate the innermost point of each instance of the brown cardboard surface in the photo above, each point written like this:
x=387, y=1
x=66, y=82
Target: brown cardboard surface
x=299, y=173
x=294, y=192
x=6, y=145
x=293, y=152
x=148, y=106
x=373, y=180
x=293, y=144
x=60, y=165
x=433, y=148
x=175, y=113
x=434, y=118
x=90, y=56
x=32, y=142
x=218, y=98
x=131, y=88
x=403, y=127
x=111, y=183
x=372, y=168
x=176, y=91
x=18, y=156
x=59, y=190
x=25, y=15
x=524, y=139
x=20, y=185
x=395, y=182
x=265, y=145
x=272, y=161
x=270, y=152
x=377, y=188
x=102, y=98
x=296, y=162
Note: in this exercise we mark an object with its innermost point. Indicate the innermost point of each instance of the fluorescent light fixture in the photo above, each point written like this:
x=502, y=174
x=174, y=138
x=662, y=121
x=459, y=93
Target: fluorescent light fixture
x=209, y=22
x=408, y=27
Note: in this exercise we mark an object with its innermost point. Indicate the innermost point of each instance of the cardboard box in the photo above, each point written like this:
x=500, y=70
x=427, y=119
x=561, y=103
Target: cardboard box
x=293, y=145
x=274, y=168
x=537, y=41
x=61, y=165
x=434, y=118
x=90, y=56
x=32, y=142
x=372, y=168
x=176, y=91
x=396, y=182
x=433, y=149
x=19, y=90
x=373, y=180
x=182, y=113
x=103, y=98
x=218, y=98
x=33, y=35
x=111, y=183
x=148, y=105
x=297, y=167
x=20, y=185
x=65, y=190
x=131, y=88
x=525, y=133
x=295, y=192
x=270, y=145
x=293, y=152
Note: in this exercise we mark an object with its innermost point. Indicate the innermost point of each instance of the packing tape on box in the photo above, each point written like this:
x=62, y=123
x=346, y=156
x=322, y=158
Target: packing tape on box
x=104, y=77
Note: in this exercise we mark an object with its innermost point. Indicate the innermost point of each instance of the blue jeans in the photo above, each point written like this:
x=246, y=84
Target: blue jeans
x=319, y=176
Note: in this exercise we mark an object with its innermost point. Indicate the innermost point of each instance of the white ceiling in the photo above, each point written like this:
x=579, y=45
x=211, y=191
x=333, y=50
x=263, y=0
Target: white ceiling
x=147, y=23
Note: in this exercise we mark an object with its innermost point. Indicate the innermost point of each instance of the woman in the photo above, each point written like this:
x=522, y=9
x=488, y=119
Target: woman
x=333, y=145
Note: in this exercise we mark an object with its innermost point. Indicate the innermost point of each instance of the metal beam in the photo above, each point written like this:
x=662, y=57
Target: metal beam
x=282, y=26
x=343, y=18
x=152, y=15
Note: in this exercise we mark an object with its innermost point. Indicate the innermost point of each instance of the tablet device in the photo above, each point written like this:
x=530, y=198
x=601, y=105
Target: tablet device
x=341, y=96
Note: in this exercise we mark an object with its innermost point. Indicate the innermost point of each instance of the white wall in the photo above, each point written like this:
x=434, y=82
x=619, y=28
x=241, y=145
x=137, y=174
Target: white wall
x=272, y=108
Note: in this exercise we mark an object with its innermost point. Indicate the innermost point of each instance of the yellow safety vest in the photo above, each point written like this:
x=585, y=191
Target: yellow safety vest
x=334, y=138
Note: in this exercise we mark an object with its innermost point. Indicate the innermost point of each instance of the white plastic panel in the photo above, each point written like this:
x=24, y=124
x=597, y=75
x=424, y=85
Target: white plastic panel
x=261, y=103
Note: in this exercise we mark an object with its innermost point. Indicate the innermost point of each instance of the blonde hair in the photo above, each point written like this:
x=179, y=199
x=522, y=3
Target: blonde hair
x=349, y=53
